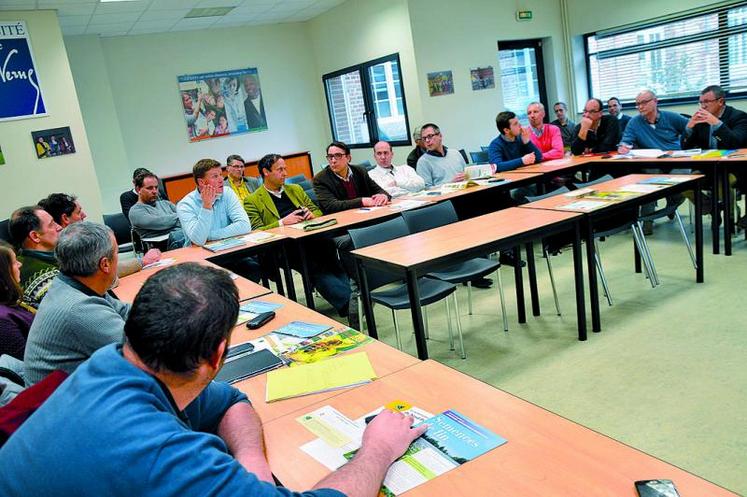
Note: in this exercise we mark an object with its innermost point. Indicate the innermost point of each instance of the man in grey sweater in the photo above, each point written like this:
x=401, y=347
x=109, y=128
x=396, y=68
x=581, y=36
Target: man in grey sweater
x=78, y=316
x=152, y=217
x=439, y=164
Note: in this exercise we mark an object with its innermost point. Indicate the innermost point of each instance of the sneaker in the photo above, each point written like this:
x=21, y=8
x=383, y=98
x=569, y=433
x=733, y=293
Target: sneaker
x=507, y=259
x=480, y=283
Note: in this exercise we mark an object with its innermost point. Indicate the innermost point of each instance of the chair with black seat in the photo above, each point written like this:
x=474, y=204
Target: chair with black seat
x=443, y=213
x=396, y=297
x=4, y=231
x=479, y=157
x=627, y=219
x=303, y=182
x=551, y=246
x=121, y=228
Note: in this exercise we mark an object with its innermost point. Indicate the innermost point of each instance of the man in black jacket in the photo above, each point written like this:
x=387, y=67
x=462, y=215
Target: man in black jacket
x=595, y=132
x=343, y=186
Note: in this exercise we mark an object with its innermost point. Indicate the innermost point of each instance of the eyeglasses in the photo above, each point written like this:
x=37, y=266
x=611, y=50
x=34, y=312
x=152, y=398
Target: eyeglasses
x=335, y=156
x=643, y=102
x=707, y=101
x=428, y=138
x=593, y=111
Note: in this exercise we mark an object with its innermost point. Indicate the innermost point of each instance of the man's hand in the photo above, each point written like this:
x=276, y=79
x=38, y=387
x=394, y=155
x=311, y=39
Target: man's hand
x=380, y=199
x=702, y=116
x=307, y=214
x=528, y=159
x=586, y=123
x=151, y=256
x=208, y=193
x=459, y=177
x=624, y=148
x=526, y=135
x=390, y=433
x=293, y=218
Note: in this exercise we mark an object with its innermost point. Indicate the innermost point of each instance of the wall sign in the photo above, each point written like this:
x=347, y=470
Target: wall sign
x=20, y=92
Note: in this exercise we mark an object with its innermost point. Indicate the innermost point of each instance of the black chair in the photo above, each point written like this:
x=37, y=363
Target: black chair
x=4, y=231
x=121, y=228
x=304, y=183
x=479, y=157
x=549, y=245
x=441, y=214
x=396, y=297
x=625, y=221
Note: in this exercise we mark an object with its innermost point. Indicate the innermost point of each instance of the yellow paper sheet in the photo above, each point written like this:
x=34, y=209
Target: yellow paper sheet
x=340, y=372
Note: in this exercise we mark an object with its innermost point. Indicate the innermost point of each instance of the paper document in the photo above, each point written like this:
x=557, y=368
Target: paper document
x=259, y=237
x=638, y=188
x=227, y=243
x=478, y=171
x=686, y=153
x=341, y=372
x=254, y=308
x=583, y=205
x=404, y=205
x=557, y=162
x=578, y=193
x=163, y=262
x=646, y=153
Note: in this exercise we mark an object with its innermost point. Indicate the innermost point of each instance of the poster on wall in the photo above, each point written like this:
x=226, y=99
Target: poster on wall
x=53, y=142
x=482, y=78
x=440, y=83
x=222, y=103
x=20, y=92
x=2, y=157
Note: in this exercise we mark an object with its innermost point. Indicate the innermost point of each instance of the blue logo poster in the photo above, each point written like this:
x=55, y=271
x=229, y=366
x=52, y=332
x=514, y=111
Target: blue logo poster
x=20, y=92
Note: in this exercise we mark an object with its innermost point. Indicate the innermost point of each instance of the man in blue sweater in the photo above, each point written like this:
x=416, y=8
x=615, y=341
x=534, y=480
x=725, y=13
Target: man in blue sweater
x=144, y=418
x=513, y=146
x=654, y=128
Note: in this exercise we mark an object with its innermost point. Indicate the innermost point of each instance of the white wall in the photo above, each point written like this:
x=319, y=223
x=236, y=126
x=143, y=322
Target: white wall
x=143, y=100
x=452, y=35
x=24, y=179
x=362, y=30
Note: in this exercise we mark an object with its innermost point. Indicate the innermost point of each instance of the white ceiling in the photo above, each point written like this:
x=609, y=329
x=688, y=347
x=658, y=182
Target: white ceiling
x=78, y=17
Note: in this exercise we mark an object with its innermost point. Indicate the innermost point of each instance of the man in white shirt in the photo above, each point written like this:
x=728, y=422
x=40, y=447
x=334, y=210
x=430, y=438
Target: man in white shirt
x=396, y=180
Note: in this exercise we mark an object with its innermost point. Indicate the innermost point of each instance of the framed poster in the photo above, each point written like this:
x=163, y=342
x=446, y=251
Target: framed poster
x=222, y=103
x=20, y=92
x=440, y=83
x=482, y=78
x=53, y=142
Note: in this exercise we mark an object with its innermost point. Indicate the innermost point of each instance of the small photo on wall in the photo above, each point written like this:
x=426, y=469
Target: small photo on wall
x=482, y=78
x=440, y=83
x=53, y=142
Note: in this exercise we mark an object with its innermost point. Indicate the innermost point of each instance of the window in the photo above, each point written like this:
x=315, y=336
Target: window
x=675, y=58
x=366, y=103
x=522, y=75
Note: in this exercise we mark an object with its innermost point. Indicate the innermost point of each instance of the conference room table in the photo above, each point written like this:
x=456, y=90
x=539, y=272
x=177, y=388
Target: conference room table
x=127, y=288
x=545, y=454
x=384, y=359
x=562, y=203
x=415, y=255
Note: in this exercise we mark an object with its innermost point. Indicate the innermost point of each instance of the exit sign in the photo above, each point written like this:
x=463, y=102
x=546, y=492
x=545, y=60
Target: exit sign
x=523, y=15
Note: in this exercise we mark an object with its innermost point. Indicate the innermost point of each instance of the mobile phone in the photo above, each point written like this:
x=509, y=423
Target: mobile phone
x=656, y=488
x=239, y=349
x=260, y=320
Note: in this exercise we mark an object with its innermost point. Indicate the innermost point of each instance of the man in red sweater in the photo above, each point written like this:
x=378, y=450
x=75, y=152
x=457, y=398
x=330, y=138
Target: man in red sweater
x=545, y=136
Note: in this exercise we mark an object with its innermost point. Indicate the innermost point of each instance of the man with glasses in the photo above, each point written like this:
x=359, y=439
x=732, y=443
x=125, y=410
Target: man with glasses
x=439, y=164
x=657, y=129
x=564, y=124
x=614, y=107
x=595, y=133
x=716, y=125
x=235, y=179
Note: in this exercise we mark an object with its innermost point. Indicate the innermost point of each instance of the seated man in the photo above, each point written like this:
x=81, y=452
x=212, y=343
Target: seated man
x=65, y=210
x=396, y=180
x=276, y=203
x=78, y=316
x=212, y=212
x=241, y=185
x=143, y=418
x=564, y=124
x=439, y=164
x=35, y=233
x=546, y=137
x=614, y=108
x=129, y=198
x=152, y=217
x=343, y=186
x=658, y=129
x=596, y=132
x=415, y=153
x=505, y=152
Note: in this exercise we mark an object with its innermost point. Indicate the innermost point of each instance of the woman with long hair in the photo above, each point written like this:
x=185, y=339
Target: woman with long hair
x=15, y=318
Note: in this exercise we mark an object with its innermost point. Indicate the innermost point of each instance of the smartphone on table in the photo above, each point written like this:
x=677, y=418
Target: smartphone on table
x=656, y=488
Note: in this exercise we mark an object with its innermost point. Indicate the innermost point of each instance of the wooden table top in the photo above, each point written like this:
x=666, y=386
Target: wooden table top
x=426, y=246
x=130, y=285
x=385, y=359
x=556, y=165
x=556, y=201
x=546, y=454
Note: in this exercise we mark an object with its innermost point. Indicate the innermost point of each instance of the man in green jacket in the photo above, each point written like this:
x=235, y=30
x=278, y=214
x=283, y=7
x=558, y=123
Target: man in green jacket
x=278, y=204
